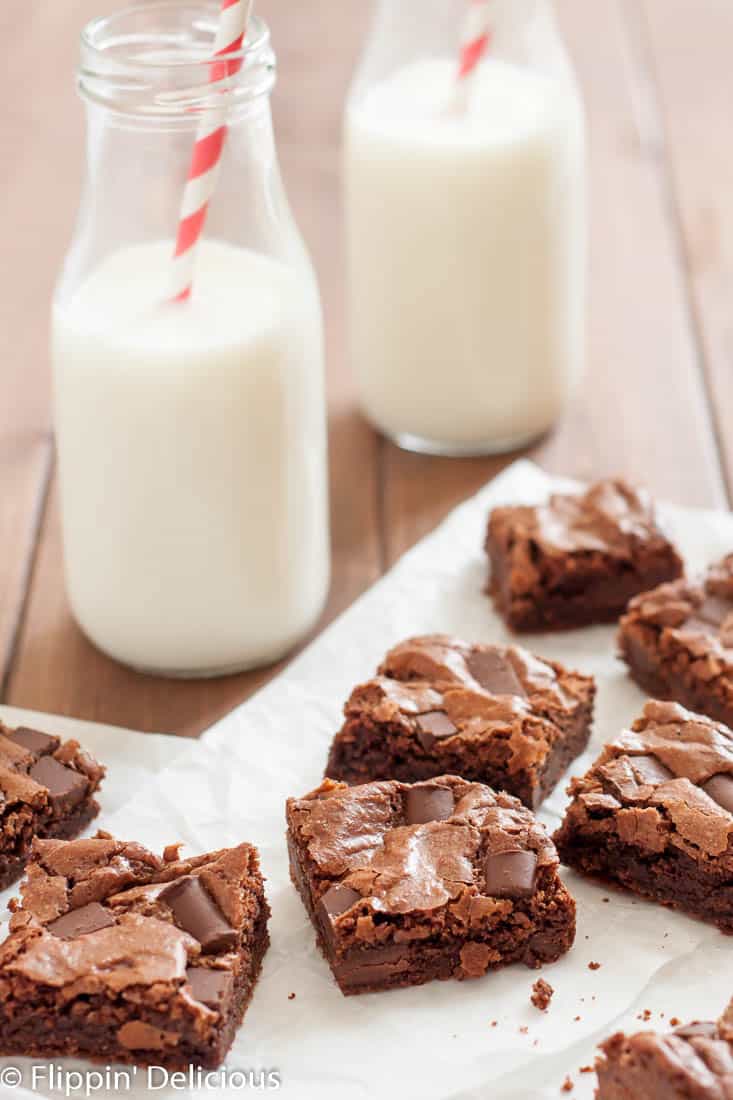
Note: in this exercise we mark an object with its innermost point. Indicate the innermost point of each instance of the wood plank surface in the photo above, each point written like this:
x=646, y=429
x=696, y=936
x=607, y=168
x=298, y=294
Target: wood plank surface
x=660, y=230
x=689, y=51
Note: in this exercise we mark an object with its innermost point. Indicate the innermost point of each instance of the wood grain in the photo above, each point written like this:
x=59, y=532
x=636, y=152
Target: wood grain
x=657, y=88
x=36, y=226
x=689, y=51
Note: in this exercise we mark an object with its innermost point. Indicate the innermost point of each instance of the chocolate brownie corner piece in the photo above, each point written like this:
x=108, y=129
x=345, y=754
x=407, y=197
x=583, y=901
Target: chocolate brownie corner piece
x=118, y=955
x=492, y=714
x=409, y=883
x=692, y=1061
x=654, y=813
x=578, y=559
x=677, y=641
x=47, y=789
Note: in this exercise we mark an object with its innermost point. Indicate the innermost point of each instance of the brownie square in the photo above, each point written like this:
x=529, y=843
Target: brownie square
x=678, y=642
x=407, y=883
x=654, y=814
x=47, y=789
x=695, y=1061
x=577, y=559
x=494, y=714
x=118, y=955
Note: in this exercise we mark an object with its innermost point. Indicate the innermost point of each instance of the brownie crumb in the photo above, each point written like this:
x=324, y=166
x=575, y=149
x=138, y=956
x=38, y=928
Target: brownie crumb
x=494, y=1023
x=586, y=1069
x=594, y=966
x=542, y=993
x=576, y=1018
x=567, y=1086
x=291, y=996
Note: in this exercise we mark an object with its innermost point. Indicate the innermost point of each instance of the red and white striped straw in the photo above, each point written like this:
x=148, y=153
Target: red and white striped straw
x=476, y=37
x=206, y=156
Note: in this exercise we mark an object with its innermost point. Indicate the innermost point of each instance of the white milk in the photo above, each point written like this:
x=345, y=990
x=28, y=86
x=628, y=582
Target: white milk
x=192, y=459
x=466, y=241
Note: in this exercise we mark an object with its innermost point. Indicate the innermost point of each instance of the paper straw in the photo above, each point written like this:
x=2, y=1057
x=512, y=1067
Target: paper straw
x=206, y=156
x=476, y=38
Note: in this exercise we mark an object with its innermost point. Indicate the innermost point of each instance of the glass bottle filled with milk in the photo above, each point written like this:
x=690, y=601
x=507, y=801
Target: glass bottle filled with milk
x=466, y=227
x=191, y=429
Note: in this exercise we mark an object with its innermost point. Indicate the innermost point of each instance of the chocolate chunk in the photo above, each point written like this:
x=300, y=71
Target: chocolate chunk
x=494, y=673
x=196, y=912
x=428, y=804
x=720, y=789
x=331, y=905
x=651, y=770
x=698, y=1030
x=510, y=874
x=337, y=900
x=212, y=987
x=434, y=725
x=66, y=787
x=36, y=742
x=80, y=922
x=375, y=966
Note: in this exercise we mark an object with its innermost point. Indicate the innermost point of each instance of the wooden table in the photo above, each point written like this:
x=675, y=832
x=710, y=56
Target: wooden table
x=658, y=401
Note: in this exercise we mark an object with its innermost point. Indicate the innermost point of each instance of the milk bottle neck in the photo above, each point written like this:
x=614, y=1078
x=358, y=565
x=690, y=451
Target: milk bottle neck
x=150, y=65
x=524, y=33
x=147, y=81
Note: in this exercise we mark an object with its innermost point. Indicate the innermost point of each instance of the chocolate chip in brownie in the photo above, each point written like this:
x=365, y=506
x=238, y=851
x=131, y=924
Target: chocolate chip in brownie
x=338, y=899
x=195, y=911
x=494, y=672
x=36, y=742
x=212, y=988
x=81, y=921
x=433, y=726
x=66, y=788
x=425, y=804
x=510, y=874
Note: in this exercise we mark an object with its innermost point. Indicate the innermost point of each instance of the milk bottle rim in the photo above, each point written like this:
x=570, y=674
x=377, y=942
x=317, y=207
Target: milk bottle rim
x=153, y=60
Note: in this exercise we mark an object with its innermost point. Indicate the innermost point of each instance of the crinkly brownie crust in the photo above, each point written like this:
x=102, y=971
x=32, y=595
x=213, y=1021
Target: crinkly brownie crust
x=655, y=813
x=493, y=714
x=118, y=955
x=578, y=559
x=692, y=1061
x=407, y=883
x=47, y=789
x=677, y=641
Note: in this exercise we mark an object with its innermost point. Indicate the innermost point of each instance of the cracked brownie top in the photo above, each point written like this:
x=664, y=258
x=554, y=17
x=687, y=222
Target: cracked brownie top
x=696, y=1059
x=104, y=916
x=612, y=518
x=668, y=780
x=438, y=854
x=697, y=617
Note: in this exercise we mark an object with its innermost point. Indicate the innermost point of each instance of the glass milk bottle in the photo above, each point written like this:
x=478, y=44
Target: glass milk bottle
x=466, y=228
x=191, y=435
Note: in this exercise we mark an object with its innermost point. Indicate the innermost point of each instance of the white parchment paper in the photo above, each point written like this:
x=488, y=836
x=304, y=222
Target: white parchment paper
x=436, y=1042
